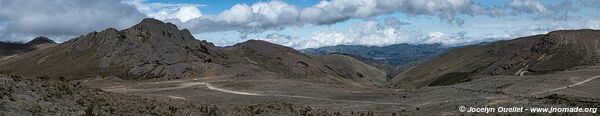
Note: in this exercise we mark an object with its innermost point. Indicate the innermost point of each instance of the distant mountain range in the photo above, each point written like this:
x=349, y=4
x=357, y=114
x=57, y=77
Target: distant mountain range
x=390, y=57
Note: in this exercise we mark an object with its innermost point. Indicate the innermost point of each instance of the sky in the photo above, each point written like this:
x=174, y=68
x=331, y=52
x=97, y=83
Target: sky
x=304, y=24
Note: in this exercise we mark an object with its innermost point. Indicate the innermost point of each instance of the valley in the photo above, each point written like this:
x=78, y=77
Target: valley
x=154, y=62
x=492, y=92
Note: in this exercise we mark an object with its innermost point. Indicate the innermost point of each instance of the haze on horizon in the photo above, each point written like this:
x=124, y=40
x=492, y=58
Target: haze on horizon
x=305, y=23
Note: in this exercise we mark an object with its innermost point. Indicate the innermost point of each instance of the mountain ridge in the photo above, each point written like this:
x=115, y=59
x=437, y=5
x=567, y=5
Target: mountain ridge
x=532, y=55
x=153, y=49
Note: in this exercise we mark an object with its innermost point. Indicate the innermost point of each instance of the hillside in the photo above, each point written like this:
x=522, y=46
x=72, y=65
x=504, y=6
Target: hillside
x=290, y=63
x=533, y=55
x=353, y=69
x=7, y=49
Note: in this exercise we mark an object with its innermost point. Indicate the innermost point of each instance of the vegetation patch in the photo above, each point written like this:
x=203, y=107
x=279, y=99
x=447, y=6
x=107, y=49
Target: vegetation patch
x=452, y=78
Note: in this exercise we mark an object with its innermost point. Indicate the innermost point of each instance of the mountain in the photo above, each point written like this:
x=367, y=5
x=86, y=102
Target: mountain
x=8, y=49
x=389, y=57
x=533, y=55
x=153, y=49
x=354, y=70
x=294, y=64
x=39, y=40
x=149, y=49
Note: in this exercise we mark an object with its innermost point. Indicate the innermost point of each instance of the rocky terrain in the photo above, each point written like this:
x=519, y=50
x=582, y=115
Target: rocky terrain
x=155, y=68
x=40, y=96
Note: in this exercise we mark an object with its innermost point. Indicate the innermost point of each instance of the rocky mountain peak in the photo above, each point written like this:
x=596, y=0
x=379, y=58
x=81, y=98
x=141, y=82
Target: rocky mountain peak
x=148, y=49
x=151, y=21
x=40, y=40
x=150, y=24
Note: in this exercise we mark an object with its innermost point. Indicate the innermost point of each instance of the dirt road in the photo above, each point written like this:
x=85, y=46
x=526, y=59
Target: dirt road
x=185, y=84
x=564, y=87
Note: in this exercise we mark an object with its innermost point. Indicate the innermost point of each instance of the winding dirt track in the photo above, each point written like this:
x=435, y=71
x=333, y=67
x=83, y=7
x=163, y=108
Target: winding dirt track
x=534, y=93
x=211, y=87
x=564, y=87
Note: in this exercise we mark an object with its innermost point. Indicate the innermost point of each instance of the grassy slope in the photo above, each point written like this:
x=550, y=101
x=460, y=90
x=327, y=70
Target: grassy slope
x=355, y=70
x=540, y=54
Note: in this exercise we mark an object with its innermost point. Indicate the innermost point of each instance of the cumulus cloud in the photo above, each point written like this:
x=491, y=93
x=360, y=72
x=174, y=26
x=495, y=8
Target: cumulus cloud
x=368, y=32
x=369, y=36
x=183, y=14
x=528, y=6
x=274, y=15
x=24, y=19
x=329, y=12
x=381, y=33
x=247, y=19
x=167, y=11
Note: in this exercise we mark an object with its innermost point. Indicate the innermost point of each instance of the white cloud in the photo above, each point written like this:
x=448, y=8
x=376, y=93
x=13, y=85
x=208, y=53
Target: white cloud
x=329, y=12
x=275, y=15
x=528, y=6
x=187, y=13
x=238, y=14
x=165, y=11
x=29, y=18
x=379, y=33
x=370, y=33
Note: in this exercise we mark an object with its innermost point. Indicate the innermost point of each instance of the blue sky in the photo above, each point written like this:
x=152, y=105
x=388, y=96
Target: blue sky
x=306, y=23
